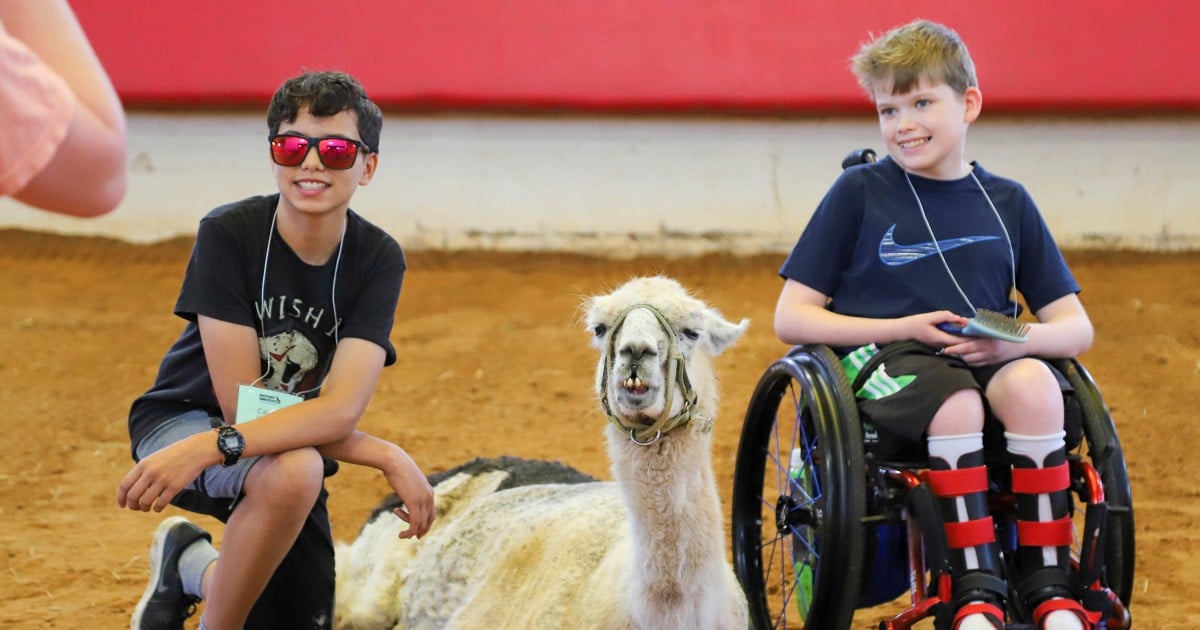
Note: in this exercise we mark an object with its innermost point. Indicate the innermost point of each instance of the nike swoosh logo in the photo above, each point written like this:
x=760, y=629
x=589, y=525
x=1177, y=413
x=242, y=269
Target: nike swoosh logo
x=894, y=254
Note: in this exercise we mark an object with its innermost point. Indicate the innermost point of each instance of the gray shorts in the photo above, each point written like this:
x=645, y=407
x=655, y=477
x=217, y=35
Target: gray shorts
x=216, y=482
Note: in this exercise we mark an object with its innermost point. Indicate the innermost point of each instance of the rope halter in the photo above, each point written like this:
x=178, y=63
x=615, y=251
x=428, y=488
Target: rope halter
x=676, y=376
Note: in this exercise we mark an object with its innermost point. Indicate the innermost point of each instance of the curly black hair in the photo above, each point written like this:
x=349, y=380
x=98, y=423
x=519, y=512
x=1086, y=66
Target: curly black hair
x=326, y=94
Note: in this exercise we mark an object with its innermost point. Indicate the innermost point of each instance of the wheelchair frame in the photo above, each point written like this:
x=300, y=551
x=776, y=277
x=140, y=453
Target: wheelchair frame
x=832, y=529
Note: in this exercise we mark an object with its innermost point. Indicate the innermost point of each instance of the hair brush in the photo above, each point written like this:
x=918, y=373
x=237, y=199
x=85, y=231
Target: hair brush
x=993, y=324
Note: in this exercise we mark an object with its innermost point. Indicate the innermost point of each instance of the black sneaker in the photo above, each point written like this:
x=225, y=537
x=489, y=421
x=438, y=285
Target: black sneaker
x=164, y=605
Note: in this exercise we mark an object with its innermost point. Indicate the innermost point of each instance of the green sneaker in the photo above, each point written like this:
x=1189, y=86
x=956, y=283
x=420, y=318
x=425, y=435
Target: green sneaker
x=164, y=605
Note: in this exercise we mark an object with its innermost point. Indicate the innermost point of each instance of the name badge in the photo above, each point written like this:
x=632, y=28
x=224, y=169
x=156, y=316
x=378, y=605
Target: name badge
x=256, y=402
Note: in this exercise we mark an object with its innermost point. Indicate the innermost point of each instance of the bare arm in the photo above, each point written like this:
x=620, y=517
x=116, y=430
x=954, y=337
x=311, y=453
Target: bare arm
x=231, y=351
x=801, y=317
x=402, y=473
x=327, y=422
x=1063, y=331
x=88, y=174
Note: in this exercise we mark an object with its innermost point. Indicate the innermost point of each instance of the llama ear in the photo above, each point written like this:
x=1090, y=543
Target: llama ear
x=723, y=333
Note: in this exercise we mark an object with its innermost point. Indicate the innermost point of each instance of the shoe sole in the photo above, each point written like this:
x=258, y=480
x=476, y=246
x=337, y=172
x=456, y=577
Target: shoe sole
x=156, y=547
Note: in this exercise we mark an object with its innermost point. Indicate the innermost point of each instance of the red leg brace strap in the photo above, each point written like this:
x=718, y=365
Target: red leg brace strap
x=955, y=483
x=993, y=613
x=1089, y=619
x=980, y=531
x=1057, y=533
x=1041, y=480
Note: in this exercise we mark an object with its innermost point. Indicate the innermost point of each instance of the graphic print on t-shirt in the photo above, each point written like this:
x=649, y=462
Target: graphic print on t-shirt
x=291, y=360
x=894, y=254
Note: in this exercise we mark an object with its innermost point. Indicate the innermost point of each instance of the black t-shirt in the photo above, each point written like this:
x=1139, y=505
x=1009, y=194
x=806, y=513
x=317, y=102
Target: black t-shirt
x=293, y=310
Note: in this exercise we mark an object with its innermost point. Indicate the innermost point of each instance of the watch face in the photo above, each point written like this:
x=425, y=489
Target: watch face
x=230, y=442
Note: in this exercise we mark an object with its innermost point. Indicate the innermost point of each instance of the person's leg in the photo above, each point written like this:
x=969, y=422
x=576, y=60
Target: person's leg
x=911, y=392
x=959, y=479
x=278, y=494
x=172, y=591
x=166, y=603
x=1026, y=397
x=300, y=593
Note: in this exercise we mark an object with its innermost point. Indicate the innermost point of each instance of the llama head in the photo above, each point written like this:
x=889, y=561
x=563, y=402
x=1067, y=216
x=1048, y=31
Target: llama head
x=656, y=347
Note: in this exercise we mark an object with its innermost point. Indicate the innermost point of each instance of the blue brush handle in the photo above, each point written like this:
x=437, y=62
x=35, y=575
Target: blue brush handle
x=953, y=329
x=974, y=329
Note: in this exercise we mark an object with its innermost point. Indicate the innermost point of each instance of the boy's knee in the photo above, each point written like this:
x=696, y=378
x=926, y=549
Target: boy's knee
x=1026, y=397
x=960, y=413
x=1024, y=376
x=291, y=475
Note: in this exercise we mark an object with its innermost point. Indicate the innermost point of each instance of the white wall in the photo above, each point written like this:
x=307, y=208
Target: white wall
x=625, y=186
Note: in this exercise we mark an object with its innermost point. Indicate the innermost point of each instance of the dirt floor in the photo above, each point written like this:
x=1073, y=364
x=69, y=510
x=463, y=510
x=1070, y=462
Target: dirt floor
x=493, y=361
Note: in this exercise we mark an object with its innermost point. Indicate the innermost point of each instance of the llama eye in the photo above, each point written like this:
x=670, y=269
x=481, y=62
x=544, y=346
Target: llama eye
x=690, y=334
x=600, y=329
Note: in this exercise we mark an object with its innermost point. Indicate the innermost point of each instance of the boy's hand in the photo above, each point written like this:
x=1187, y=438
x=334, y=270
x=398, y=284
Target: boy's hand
x=155, y=480
x=974, y=351
x=924, y=328
x=980, y=351
x=413, y=488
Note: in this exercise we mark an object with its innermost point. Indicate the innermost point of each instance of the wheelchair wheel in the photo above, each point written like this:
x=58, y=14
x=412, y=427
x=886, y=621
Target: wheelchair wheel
x=799, y=496
x=1103, y=450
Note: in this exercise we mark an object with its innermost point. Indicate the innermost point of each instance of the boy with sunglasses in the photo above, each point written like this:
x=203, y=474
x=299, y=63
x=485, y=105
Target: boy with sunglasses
x=289, y=300
x=902, y=247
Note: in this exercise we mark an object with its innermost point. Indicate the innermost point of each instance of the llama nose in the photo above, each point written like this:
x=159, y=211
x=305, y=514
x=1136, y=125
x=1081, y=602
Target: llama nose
x=636, y=351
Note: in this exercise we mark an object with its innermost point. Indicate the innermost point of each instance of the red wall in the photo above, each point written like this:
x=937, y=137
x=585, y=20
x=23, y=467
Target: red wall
x=757, y=56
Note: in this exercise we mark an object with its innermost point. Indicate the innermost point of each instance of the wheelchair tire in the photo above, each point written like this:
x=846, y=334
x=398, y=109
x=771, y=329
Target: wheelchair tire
x=799, y=495
x=1104, y=452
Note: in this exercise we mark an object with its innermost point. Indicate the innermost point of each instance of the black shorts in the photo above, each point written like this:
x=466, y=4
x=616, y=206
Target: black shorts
x=899, y=387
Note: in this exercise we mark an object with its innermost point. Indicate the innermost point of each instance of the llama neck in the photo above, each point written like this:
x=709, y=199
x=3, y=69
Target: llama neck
x=674, y=512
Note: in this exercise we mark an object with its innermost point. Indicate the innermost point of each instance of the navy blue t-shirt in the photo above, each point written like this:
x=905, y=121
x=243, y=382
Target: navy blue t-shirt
x=869, y=249
x=294, y=312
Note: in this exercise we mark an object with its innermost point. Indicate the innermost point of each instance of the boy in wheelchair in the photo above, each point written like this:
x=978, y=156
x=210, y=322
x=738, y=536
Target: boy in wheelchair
x=899, y=257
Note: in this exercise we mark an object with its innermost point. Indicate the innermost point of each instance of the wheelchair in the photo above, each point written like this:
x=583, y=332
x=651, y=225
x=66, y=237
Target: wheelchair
x=825, y=524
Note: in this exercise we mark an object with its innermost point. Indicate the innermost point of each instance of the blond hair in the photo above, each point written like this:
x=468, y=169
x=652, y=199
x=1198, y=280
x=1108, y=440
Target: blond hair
x=905, y=54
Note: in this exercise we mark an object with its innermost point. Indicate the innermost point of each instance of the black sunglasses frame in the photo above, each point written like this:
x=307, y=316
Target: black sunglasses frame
x=315, y=143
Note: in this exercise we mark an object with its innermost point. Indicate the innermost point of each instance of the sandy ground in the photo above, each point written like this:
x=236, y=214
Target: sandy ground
x=492, y=361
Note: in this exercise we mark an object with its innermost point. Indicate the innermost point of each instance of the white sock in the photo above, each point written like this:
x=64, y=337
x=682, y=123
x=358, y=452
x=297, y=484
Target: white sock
x=1062, y=620
x=1035, y=447
x=952, y=447
x=192, y=563
x=976, y=622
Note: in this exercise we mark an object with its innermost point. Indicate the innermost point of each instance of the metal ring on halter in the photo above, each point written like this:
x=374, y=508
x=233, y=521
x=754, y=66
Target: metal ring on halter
x=657, y=434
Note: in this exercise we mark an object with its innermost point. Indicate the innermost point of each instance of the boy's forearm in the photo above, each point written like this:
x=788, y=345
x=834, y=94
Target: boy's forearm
x=1063, y=339
x=362, y=449
x=808, y=324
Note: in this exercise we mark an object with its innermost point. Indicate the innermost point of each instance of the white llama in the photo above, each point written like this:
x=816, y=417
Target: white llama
x=645, y=551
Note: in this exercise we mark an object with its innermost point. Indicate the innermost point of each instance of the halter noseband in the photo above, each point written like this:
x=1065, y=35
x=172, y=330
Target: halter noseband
x=676, y=375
